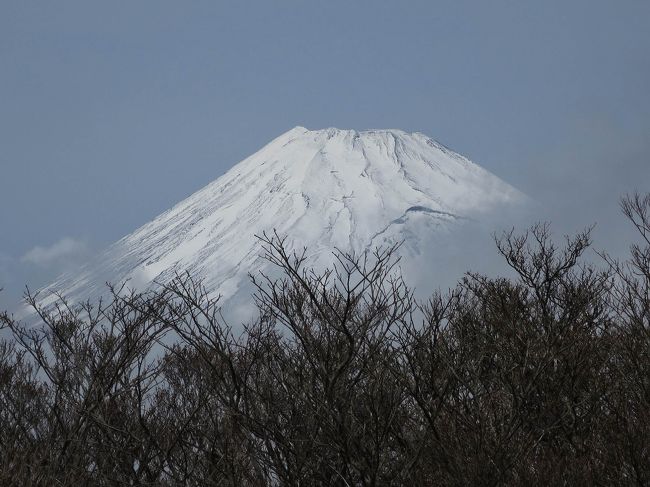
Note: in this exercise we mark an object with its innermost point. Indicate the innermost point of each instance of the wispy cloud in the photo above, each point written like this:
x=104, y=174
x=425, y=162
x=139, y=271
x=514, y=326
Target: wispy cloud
x=65, y=249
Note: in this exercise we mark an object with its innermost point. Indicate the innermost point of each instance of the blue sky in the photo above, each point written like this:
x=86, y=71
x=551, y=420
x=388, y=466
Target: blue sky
x=111, y=112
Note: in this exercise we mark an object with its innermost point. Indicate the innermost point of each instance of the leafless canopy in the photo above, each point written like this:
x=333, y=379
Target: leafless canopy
x=343, y=378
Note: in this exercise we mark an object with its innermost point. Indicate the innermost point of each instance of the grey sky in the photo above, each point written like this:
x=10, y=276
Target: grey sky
x=112, y=112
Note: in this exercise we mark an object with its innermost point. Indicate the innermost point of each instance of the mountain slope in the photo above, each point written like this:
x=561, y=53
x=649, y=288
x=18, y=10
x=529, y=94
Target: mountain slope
x=324, y=189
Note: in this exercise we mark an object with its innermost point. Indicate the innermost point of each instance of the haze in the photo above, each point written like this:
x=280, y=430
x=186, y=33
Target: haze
x=112, y=113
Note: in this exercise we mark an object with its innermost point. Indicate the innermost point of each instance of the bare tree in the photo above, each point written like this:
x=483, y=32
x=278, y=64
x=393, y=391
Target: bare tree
x=343, y=378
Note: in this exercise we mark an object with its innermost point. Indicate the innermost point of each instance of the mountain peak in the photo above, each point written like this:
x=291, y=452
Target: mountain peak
x=323, y=188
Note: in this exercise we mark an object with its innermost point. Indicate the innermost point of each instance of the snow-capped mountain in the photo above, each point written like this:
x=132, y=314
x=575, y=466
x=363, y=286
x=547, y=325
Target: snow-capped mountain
x=322, y=188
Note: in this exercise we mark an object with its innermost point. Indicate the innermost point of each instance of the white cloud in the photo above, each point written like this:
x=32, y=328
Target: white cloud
x=65, y=249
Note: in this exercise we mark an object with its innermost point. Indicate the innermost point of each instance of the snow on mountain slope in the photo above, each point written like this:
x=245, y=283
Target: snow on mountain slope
x=323, y=188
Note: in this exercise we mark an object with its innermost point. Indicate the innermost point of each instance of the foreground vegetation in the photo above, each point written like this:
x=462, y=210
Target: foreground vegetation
x=543, y=379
